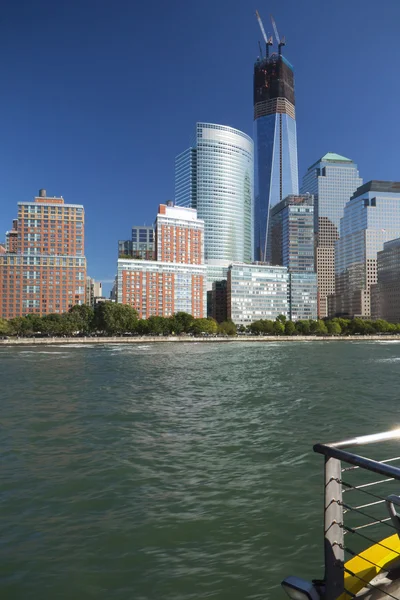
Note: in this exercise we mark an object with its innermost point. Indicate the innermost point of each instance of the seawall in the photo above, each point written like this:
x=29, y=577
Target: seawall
x=190, y=339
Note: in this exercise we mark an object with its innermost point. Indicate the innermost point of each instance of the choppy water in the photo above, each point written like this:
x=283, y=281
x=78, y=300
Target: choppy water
x=175, y=472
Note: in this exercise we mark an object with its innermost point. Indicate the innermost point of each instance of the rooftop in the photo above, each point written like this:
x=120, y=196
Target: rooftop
x=333, y=158
x=377, y=186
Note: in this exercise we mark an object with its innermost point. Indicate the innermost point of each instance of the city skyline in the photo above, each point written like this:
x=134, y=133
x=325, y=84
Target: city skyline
x=103, y=77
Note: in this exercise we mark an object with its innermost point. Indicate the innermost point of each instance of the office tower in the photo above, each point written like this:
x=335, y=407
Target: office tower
x=175, y=281
x=256, y=292
x=291, y=233
x=275, y=141
x=47, y=272
x=141, y=244
x=93, y=291
x=332, y=180
x=385, y=294
x=291, y=244
x=215, y=176
x=371, y=218
x=3, y=248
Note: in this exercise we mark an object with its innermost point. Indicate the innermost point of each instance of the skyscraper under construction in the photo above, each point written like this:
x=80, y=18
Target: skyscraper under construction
x=275, y=139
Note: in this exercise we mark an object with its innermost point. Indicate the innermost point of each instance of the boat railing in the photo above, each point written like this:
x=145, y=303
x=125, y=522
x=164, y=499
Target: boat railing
x=359, y=513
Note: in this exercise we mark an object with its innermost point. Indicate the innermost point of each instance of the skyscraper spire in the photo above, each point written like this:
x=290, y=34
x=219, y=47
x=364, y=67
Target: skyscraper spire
x=276, y=170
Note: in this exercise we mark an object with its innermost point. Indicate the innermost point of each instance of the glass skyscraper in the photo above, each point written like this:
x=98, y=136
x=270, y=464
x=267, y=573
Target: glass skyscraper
x=371, y=218
x=275, y=139
x=215, y=176
x=332, y=180
x=291, y=244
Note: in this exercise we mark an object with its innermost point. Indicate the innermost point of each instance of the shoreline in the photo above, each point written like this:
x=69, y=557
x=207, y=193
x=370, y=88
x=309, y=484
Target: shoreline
x=189, y=339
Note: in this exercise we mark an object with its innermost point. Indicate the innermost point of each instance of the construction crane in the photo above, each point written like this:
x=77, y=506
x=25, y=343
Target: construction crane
x=268, y=40
x=280, y=41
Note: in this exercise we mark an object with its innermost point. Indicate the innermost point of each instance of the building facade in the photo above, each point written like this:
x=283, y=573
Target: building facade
x=385, y=294
x=275, y=142
x=332, y=180
x=303, y=296
x=219, y=301
x=215, y=176
x=156, y=288
x=47, y=272
x=371, y=218
x=179, y=235
x=256, y=291
x=93, y=291
x=291, y=234
x=141, y=245
x=175, y=281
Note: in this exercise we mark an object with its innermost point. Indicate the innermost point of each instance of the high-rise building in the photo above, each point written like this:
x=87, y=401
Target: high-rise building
x=291, y=244
x=47, y=272
x=93, y=291
x=385, y=294
x=275, y=142
x=179, y=235
x=332, y=180
x=141, y=244
x=371, y=218
x=215, y=176
x=291, y=234
x=175, y=281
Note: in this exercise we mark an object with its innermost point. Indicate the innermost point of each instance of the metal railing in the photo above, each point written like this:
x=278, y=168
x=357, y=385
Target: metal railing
x=359, y=512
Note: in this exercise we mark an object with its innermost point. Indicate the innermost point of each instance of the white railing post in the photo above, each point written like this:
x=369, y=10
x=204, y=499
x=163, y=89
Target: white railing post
x=333, y=532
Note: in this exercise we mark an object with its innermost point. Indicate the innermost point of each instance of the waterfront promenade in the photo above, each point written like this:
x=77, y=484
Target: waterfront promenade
x=185, y=339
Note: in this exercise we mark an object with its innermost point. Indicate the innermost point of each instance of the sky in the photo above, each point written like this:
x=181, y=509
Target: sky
x=98, y=97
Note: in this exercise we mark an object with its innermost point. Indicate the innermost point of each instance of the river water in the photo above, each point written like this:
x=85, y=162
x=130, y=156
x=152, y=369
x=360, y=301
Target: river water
x=176, y=471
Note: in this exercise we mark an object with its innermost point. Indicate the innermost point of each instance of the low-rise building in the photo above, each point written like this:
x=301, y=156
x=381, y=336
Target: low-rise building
x=257, y=291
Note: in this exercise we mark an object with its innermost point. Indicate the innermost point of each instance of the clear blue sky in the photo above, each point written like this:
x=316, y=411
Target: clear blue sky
x=97, y=97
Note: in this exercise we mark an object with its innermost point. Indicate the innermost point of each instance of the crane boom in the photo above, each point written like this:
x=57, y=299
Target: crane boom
x=261, y=27
x=278, y=41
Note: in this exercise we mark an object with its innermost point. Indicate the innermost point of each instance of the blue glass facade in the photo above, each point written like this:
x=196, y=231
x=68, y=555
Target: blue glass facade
x=275, y=140
x=371, y=218
x=332, y=180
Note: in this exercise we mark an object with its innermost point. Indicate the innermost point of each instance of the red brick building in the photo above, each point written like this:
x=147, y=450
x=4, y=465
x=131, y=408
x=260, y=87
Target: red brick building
x=175, y=281
x=44, y=271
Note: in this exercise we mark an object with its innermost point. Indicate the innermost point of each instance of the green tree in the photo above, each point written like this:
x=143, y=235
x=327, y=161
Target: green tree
x=321, y=328
x=142, y=327
x=112, y=318
x=290, y=328
x=279, y=328
x=303, y=327
x=227, y=328
x=333, y=327
x=185, y=320
x=52, y=324
x=158, y=325
x=281, y=318
x=5, y=328
x=83, y=316
x=208, y=326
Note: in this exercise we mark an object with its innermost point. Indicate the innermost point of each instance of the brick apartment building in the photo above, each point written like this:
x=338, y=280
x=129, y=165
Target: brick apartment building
x=44, y=268
x=175, y=281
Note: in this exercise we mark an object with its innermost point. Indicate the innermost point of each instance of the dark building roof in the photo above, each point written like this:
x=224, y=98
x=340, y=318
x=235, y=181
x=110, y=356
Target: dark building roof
x=377, y=186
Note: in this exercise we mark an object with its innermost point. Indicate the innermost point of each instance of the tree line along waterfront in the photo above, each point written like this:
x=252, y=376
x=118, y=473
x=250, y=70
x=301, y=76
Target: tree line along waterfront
x=109, y=319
